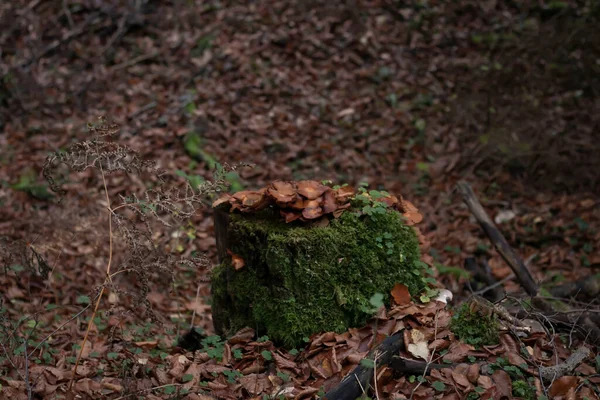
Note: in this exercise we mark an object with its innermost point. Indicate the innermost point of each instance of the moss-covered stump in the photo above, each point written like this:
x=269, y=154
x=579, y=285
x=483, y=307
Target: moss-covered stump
x=290, y=280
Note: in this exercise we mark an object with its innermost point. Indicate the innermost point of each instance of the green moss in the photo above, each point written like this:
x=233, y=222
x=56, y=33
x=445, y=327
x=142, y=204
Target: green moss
x=473, y=325
x=299, y=280
x=523, y=389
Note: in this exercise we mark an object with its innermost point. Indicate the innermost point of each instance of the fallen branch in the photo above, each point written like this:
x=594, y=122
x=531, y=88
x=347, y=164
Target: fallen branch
x=354, y=384
x=556, y=371
x=508, y=254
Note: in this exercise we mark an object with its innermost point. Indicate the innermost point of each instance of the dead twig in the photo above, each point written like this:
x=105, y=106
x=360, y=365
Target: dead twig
x=133, y=61
x=352, y=386
x=508, y=254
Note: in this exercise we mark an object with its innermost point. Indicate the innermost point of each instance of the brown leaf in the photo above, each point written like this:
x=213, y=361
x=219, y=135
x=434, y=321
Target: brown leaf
x=400, y=294
x=255, y=384
x=485, y=382
x=457, y=352
x=320, y=364
x=515, y=359
x=311, y=189
x=236, y=261
x=563, y=386
x=473, y=373
x=283, y=363
x=460, y=377
x=242, y=336
x=503, y=383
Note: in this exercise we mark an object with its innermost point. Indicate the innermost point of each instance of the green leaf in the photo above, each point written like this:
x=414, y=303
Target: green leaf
x=237, y=354
x=187, y=378
x=285, y=377
x=295, y=352
x=423, y=166
x=31, y=324
x=83, y=299
x=266, y=355
x=439, y=386
x=169, y=389
x=376, y=300
x=112, y=356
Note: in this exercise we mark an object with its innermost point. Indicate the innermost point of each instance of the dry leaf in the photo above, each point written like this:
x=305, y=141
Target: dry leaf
x=400, y=294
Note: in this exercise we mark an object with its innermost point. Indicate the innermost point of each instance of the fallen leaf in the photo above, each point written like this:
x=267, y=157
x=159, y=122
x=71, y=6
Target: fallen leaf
x=563, y=386
x=419, y=346
x=400, y=294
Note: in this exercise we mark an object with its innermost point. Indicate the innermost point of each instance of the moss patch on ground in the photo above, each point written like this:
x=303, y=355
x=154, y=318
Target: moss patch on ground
x=475, y=325
x=299, y=279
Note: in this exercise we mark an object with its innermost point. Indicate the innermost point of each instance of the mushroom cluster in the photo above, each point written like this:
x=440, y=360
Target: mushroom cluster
x=309, y=200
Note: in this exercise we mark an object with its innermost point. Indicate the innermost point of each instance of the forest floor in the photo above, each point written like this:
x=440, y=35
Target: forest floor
x=412, y=97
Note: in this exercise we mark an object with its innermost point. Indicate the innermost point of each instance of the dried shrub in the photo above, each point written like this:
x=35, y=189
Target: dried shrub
x=170, y=200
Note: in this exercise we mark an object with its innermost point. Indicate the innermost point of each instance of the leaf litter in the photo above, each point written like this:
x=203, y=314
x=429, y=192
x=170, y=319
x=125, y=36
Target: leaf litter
x=322, y=77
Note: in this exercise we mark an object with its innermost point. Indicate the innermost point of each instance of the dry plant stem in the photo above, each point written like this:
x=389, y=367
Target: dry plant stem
x=58, y=329
x=507, y=253
x=110, y=254
x=375, y=359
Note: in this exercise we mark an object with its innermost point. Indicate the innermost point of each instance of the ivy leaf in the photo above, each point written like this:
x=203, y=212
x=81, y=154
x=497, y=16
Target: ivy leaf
x=376, y=300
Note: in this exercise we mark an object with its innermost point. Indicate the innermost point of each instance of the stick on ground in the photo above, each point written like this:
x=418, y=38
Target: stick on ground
x=512, y=259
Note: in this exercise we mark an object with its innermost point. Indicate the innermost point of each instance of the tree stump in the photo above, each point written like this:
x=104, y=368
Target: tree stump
x=291, y=280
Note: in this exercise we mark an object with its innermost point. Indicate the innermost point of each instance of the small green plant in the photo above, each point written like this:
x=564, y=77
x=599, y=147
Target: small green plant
x=232, y=375
x=367, y=202
x=213, y=346
x=521, y=387
x=475, y=325
x=28, y=183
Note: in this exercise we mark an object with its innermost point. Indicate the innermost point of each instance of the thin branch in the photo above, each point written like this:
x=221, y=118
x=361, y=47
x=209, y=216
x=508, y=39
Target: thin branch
x=502, y=246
